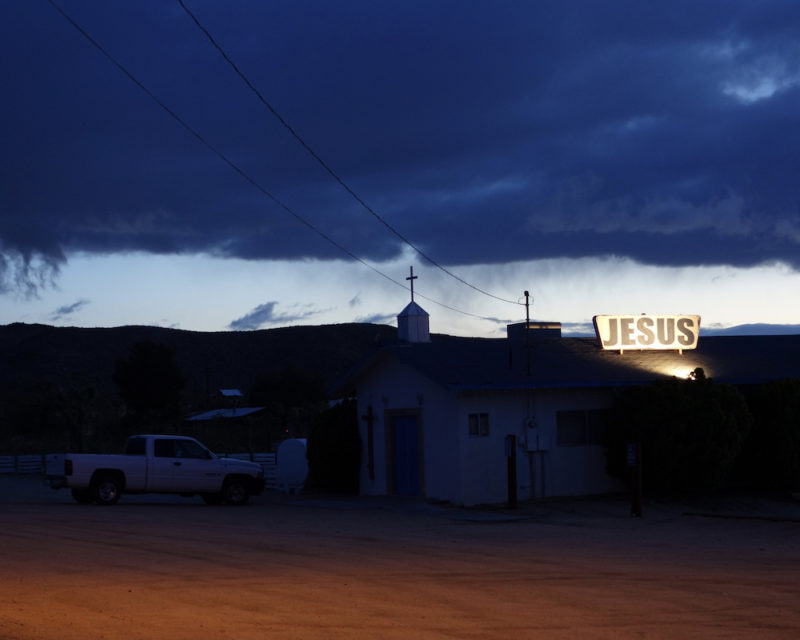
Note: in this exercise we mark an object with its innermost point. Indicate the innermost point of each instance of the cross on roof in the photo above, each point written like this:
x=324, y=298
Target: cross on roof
x=412, y=277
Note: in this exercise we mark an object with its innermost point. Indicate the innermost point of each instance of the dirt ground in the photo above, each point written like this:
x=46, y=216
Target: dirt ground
x=313, y=567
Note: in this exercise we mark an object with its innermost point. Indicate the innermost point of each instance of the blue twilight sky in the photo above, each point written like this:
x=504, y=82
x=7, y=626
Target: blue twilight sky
x=608, y=157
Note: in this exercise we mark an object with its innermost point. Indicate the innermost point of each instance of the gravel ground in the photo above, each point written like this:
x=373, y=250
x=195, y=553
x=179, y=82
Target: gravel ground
x=313, y=566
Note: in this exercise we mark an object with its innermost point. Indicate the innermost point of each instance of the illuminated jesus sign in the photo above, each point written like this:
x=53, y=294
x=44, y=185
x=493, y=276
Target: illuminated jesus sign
x=647, y=332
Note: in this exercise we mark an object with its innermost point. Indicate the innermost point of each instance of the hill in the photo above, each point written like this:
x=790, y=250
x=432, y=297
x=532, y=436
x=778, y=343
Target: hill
x=32, y=354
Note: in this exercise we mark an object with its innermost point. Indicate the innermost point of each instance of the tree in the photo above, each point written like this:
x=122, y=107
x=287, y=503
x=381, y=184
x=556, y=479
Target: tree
x=334, y=449
x=293, y=398
x=150, y=380
x=56, y=416
x=771, y=455
x=690, y=430
x=291, y=386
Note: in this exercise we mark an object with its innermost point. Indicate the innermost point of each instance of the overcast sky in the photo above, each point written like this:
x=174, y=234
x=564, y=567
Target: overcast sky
x=608, y=157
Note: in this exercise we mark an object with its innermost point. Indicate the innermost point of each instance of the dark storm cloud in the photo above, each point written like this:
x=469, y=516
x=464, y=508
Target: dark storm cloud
x=25, y=272
x=483, y=132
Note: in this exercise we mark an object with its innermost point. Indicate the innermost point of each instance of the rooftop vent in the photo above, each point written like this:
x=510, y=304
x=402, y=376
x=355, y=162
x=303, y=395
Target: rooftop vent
x=535, y=331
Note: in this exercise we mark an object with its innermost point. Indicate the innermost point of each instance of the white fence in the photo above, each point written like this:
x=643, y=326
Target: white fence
x=268, y=464
x=22, y=464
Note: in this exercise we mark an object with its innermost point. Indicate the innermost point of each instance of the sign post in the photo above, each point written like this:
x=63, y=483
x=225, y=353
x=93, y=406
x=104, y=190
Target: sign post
x=511, y=457
x=634, y=463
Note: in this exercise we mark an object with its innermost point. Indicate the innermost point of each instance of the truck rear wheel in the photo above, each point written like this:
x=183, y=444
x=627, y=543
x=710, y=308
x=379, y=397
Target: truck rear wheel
x=106, y=490
x=235, y=491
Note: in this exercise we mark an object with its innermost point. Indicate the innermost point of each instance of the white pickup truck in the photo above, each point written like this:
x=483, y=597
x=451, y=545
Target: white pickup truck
x=155, y=464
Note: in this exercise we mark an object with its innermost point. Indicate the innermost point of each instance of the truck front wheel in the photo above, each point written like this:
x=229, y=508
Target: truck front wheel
x=235, y=491
x=106, y=490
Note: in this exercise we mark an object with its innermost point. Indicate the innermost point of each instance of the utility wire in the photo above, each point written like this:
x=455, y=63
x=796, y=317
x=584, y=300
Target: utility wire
x=235, y=167
x=324, y=165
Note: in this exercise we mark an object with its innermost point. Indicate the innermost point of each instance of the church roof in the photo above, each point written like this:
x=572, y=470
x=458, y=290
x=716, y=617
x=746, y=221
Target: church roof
x=413, y=309
x=484, y=363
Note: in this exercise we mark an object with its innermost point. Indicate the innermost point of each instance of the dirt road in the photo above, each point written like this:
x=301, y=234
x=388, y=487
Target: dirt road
x=300, y=568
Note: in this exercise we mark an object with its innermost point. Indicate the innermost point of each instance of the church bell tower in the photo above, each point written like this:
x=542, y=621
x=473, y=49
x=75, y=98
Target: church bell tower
x=413, y=322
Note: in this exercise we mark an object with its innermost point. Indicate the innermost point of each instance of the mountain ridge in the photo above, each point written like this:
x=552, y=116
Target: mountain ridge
x=33, y=354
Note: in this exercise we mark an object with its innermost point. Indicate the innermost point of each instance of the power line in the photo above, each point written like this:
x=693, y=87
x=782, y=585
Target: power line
x=324, y=165
x=235, y=167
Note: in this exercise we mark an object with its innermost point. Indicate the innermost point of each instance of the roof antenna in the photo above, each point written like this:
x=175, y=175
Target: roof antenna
x=528, y=330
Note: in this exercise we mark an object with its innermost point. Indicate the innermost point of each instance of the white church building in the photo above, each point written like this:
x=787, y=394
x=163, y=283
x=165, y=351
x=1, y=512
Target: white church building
x=477, y=420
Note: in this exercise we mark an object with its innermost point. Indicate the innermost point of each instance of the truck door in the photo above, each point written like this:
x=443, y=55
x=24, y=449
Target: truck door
x=185, y=466
x=137, y=464
x=162, y=465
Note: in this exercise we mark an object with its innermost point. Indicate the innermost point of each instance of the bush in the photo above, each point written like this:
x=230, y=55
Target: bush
x=691, y=432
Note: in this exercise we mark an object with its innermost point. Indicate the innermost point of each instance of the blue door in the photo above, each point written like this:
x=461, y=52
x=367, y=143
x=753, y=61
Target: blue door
x=406, y=456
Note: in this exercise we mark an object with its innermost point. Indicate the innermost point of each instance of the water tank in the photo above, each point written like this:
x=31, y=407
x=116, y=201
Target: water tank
x=292, y=465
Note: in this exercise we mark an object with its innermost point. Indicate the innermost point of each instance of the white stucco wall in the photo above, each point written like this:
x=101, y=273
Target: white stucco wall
x=552, y=471
x=484, y=468
x=570, y=470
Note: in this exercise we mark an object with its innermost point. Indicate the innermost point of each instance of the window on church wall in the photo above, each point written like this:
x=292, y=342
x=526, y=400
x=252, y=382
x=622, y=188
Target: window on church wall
x=478, y=424
x=596, y=427
x=581, y=428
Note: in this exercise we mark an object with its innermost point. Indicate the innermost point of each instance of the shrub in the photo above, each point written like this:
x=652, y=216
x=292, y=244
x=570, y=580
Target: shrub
x=334, y=449
x=690, y=430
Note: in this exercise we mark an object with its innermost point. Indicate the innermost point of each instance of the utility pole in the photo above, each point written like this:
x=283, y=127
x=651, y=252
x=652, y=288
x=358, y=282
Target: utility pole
x=527, y=309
